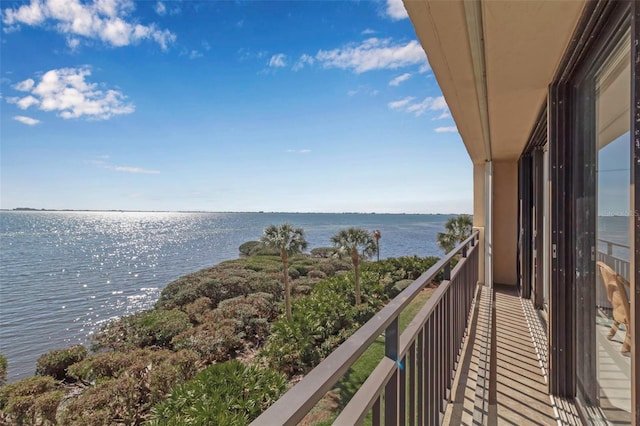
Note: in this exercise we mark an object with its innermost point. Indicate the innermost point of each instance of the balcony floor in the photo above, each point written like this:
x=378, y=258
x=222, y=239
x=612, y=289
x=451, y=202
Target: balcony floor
x=505, y=383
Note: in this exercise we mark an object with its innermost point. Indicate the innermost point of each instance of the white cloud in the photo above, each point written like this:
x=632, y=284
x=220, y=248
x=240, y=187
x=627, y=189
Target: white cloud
x=24, y=86
x=23, y=103
x=396, y=10
x=399, y=79
x=26, y=120
x=136, y=170
x=450, y=129
x=73, y=43
x=195, y=54
x=278, y=60
x=373, y=54
x=368, y=31
x=160, y=8
x=65, y=90
x=419, y=108
x=363, y=90
x=304, y=60
x=105, y=20
x=445, y=114
x=439, y=104
x=401, y=103
x=298, y=151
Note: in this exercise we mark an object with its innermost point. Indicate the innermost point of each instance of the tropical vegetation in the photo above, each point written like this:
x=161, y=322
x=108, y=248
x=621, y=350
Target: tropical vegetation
x=357, y=243
x=218, y=347
x=457, y=229
x=288, y=241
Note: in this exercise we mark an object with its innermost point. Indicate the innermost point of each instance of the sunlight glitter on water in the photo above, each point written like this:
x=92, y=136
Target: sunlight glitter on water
x=63, y=275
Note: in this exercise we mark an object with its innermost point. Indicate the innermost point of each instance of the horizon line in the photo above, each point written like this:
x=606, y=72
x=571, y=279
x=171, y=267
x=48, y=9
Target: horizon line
x=29, y=209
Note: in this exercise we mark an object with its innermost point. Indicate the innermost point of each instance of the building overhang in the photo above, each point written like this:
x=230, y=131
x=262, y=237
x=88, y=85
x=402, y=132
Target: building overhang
x=494, y=61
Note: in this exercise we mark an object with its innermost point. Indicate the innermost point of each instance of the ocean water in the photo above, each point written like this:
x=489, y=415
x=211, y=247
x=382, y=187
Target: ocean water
x=64, y=274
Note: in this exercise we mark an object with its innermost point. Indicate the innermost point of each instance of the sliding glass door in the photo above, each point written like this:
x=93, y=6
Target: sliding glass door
x=603, y=219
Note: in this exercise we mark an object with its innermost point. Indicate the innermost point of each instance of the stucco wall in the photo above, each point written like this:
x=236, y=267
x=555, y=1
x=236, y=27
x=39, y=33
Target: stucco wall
x=505, y=221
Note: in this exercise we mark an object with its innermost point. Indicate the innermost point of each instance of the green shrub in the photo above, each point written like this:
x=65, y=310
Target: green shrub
x=225, y=281
x=294, y=273
x=250, y=248
x=3, y=369
x=254, y=312
x=127, y=385
x=303, y=287
x=28, y=400
x=317, y=274
x=155, y=327
x=100, y=365
x=323, y=252
x=56, y=362
x=213, y=341
x=223, y=394
x=114, y=364
x=199, y=309
x=398, y=287
x=108, y=400
x=256, y=248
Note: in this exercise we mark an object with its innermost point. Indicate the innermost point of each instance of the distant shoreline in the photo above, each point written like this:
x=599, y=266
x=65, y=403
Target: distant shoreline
x=29, y=209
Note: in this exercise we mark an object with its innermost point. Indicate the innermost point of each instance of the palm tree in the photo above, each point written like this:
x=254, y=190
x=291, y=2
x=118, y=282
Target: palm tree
x=458, y=229
x=288, y=241
x=354, y=241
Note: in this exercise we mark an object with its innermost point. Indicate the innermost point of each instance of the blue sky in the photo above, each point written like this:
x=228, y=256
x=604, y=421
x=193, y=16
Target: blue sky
x=310, y=106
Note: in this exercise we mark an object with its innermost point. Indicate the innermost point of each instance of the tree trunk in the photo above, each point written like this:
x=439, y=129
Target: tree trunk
x=355, y=260
x=285, y=280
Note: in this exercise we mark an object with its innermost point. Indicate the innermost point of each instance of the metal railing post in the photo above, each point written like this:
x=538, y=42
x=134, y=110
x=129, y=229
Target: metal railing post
x=391, y=346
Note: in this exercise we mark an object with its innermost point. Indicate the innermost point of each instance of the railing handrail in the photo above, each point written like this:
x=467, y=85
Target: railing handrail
x=613, y=243
x=296, y=402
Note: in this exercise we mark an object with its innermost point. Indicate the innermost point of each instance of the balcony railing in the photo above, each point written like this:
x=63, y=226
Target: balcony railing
x=413, y=380
x=611, y=253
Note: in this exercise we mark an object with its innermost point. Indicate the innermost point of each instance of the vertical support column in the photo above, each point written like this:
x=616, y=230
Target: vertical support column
x=479, y=210
x=635, y=203
x=488, y=228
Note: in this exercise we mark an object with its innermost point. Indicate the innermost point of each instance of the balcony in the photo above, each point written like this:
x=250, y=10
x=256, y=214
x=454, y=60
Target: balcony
x=474, y=354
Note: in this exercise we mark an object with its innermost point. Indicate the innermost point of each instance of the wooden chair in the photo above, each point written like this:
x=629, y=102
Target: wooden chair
x=614, y=285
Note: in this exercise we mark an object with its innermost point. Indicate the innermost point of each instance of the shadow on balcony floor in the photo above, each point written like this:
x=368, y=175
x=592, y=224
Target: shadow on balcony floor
x=510, y=373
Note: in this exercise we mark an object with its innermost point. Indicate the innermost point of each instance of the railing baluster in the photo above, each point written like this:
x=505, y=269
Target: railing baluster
x=420, y=355
x=391, y=343
x=449, y=343
x=411, y=367
x=439, y=358
x=402, y=392
x=375, y=413
x=432, y=371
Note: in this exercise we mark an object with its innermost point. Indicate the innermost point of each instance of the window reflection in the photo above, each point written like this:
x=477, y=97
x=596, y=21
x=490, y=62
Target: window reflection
x=612, y=314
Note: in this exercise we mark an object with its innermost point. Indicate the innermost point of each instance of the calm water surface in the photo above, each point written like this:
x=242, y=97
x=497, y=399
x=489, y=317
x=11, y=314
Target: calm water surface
x=64, y=274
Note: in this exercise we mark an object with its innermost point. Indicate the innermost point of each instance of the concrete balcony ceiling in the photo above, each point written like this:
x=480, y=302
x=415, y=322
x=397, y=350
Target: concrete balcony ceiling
x=494, y=61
